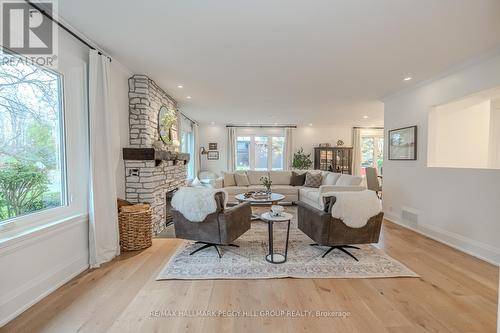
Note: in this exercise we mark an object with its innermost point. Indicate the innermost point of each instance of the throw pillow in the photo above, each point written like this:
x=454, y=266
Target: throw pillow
x=241, y=179
x=229, y=179
x=330, y=179
x=348, y=180
x=297, y=179
x=313, y=179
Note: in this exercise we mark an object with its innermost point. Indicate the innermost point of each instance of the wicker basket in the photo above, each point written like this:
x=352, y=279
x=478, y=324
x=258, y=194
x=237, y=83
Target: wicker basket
x=135, y=230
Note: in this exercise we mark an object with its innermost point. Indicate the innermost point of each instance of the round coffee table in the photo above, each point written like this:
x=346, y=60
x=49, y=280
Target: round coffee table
x=272, y=257
x=273, y=199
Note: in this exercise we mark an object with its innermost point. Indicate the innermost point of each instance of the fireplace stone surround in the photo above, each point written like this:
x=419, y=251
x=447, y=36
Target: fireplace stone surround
x=150, y=173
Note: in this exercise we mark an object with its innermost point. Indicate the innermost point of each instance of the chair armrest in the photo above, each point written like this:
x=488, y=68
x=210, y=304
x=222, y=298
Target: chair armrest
x=311, y=208
x=219, y=182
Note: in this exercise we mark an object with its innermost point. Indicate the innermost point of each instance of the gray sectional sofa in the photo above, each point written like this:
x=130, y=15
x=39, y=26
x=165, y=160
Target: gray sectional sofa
x=237, y=183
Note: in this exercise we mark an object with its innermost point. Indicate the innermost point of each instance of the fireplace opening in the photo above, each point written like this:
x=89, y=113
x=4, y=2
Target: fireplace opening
x=168, y=206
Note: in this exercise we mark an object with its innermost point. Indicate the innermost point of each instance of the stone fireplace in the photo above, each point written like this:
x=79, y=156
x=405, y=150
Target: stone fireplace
x=151, y=171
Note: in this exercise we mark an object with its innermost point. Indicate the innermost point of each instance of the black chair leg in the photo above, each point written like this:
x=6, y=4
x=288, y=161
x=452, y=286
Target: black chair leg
x=341, y=248
x=206, y=246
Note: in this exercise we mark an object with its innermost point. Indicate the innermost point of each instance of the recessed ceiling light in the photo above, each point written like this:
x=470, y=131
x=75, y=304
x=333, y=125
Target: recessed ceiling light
x=180, y=86
x=212, y=123
x=408, y=78
x=247, y=124
x=310, y=124
x=188, y=97
x=365, y=117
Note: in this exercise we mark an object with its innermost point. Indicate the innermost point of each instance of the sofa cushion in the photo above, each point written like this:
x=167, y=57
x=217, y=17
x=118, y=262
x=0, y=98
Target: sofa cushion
x=297, y=179
x=349, y=180
x=255, y=176
x=280, y=177
x=330, y=179
x=233, y=190
x=256, y=188
x=241, y=179
x=313, y=179
x=284, y=189
x=229, y=179
x=310, y=196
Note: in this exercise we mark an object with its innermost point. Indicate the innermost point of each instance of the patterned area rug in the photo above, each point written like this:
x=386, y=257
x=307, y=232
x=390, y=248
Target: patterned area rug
x=304, y=261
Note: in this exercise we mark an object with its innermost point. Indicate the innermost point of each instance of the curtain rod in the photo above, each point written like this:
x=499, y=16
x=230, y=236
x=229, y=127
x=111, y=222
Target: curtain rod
x=191, y=120
x=262, y=126
x=44, y=13
x=369, y=127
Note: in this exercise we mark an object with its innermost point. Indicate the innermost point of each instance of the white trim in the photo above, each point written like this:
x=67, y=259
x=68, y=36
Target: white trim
x=55, y=278
x=9, y=244
x=464, y=244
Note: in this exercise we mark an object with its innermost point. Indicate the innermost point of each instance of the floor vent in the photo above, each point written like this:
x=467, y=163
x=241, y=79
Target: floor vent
x=409, y=215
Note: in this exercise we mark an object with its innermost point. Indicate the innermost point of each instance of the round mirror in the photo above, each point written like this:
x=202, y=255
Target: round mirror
x=167, y=125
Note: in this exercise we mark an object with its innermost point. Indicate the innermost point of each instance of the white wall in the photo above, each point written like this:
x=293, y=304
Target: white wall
x=119, y=103
x=457, y=206
x=459, y=136
x=306, y=137
x=34, y=262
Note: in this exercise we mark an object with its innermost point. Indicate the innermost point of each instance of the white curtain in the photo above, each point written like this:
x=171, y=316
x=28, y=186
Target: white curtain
x=196, y=153
x=103, y=216
x=231, y=148
x=288, y=151
x=356, y=152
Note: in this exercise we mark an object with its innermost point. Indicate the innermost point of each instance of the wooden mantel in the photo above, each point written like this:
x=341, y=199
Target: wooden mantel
x=149, y=154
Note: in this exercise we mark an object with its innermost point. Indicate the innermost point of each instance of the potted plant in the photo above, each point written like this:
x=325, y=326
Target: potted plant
x=301, y=161
x=266, y=182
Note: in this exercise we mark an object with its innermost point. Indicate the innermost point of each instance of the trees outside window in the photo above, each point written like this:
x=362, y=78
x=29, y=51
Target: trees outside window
x=259, y=152
x=32, y=176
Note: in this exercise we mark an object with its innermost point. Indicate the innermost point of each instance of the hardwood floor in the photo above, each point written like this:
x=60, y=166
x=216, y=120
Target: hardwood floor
x=456, y=293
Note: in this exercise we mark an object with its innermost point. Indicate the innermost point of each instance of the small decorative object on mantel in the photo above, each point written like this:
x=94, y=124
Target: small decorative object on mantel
x=340, y=143
x=212, y=146
x=324, y=144
x=212, y=155
x=403, y=144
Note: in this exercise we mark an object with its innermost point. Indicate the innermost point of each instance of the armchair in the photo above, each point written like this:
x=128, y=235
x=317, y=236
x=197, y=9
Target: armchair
x=218, y=229
x=325, y=230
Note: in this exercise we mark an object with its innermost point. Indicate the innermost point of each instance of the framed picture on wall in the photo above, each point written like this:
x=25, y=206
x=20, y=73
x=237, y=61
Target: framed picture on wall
x=403, y=144
x=213, y=155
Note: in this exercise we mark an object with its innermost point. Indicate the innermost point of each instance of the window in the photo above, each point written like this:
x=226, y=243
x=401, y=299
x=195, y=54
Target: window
x=32, y=156
x=259, y=152
x=187, y=146
x=372, y=152
x=243, y=153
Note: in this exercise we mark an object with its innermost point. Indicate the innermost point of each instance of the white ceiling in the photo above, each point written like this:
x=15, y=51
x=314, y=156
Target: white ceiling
x=326, y=62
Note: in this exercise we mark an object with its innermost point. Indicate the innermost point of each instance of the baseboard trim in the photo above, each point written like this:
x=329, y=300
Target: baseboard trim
x=54, y=279
x=461, y=243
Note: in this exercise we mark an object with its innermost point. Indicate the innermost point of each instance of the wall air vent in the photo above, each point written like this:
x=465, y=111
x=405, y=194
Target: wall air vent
x=409, y=215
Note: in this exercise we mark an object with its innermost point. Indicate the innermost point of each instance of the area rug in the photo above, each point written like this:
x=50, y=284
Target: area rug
x=304, y=260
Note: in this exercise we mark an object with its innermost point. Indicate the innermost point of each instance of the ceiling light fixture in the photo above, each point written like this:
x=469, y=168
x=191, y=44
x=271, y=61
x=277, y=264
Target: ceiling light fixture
x=180, y=86
x=408, y=78
x=212, y=123
x=310, y=124
x=365, y=117
x=188, y=97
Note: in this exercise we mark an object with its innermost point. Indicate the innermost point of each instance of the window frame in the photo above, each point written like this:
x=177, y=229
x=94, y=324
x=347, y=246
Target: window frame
x=75, y=184
x=252, y=151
